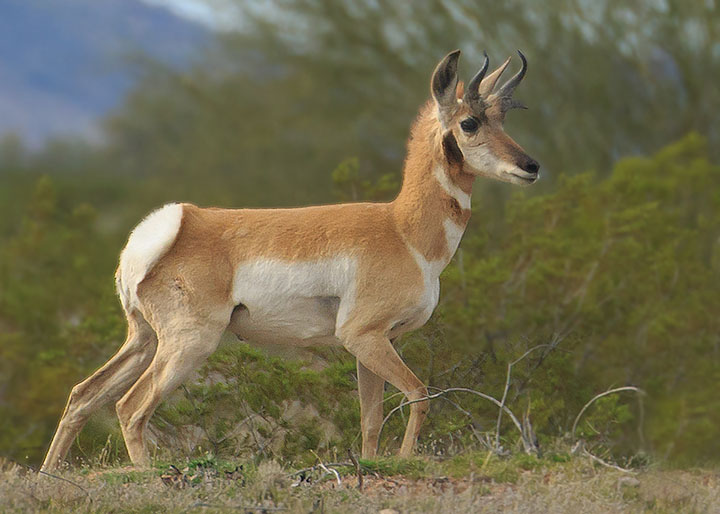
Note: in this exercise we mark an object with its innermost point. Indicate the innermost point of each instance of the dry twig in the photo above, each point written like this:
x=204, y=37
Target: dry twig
x=451, y=390
x=329, y=471
x=607, y=464
x=315, y=467
x=357, y=469
x=526, y=444
x=598, y=396
x=41, y=472
x=580, y=444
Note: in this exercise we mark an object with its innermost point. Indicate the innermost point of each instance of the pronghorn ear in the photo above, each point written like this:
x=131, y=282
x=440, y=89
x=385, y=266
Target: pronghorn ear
x=444, y=86
x=452, y=151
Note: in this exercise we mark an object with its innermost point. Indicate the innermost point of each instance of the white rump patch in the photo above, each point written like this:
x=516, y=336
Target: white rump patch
x=450, y=188
x=147, y=243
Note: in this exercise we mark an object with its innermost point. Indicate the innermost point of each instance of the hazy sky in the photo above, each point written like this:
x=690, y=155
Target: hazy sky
x=217, y=14
x=64, y=65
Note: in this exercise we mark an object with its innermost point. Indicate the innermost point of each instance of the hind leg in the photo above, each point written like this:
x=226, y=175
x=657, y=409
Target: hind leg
x=108, y=383
x=182, y=347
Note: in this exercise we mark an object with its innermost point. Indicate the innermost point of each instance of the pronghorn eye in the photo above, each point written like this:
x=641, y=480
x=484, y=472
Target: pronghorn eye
x=469, y=125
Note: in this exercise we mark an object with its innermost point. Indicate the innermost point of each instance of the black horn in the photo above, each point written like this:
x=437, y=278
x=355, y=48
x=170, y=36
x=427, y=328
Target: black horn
x=472, y=93
x=509, y=86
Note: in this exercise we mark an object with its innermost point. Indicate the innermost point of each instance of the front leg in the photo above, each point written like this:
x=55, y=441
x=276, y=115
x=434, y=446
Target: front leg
x=370, y=389
x=375, y=352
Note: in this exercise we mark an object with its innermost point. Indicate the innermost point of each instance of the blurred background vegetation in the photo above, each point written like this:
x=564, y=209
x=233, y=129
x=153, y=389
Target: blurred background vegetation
x=613, y=260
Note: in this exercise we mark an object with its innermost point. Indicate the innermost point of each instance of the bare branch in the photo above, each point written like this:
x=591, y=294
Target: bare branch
x=329, y=471
x=507, y=388
x=451, y=390
x=358, y=472
x=315, y=467
x=466, y=413
x=607, y=464
x=598, y=396
x=41, y=472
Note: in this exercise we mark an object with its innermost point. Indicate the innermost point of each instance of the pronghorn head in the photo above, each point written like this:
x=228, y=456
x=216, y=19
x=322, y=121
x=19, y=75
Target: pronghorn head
x=472, y=126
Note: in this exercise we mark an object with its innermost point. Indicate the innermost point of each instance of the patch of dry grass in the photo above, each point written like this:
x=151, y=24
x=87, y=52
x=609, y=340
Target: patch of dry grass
x=578, y=485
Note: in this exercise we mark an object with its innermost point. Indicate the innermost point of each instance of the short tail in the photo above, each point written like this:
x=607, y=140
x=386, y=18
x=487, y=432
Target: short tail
x=148, y=242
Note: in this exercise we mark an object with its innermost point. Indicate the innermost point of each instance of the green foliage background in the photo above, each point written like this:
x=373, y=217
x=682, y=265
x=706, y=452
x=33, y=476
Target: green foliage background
x=616, y=271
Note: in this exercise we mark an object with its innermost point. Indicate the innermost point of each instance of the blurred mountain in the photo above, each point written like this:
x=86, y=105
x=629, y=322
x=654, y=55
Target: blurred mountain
x=63, y=64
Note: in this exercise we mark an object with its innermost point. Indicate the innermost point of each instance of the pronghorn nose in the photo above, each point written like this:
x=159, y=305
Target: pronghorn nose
x=530, y=165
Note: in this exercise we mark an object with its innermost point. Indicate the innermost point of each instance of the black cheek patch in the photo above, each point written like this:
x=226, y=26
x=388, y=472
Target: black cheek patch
x=452, y=151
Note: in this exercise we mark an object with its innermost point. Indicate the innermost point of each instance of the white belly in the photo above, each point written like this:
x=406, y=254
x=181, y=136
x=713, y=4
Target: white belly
x=296, y=321
x=292, y=303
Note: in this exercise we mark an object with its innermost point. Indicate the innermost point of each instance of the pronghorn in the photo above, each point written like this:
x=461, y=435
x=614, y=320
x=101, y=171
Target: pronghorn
x=358, y=275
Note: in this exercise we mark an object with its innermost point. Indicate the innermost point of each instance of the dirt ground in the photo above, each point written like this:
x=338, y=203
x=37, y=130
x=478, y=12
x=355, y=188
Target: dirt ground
x=577, y=486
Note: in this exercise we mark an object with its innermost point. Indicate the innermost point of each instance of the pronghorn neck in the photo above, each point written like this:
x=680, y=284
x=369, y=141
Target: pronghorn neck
x=433, y=206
